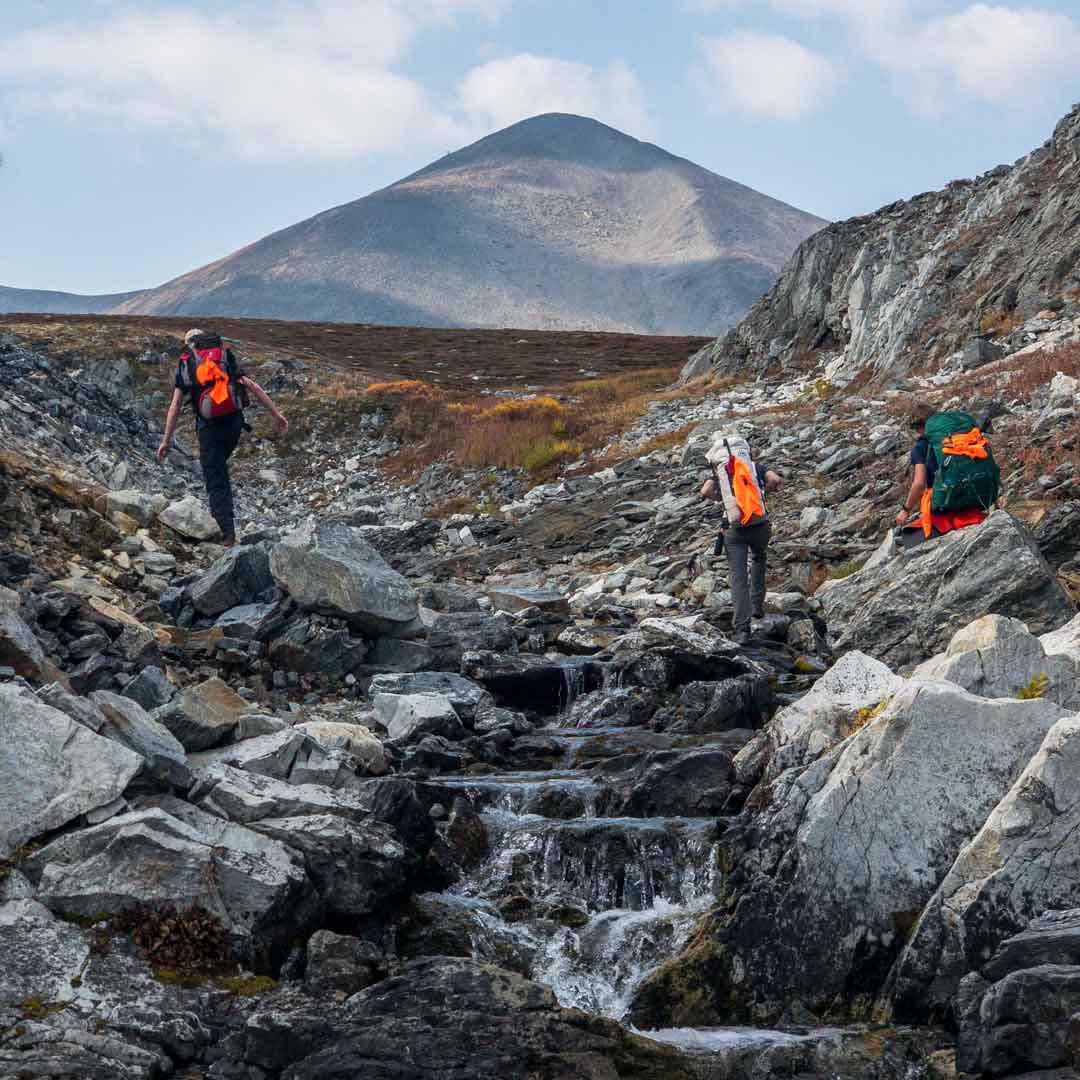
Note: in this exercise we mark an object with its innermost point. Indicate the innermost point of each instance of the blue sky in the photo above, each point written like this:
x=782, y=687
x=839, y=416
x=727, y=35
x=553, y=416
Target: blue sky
x=144, y=138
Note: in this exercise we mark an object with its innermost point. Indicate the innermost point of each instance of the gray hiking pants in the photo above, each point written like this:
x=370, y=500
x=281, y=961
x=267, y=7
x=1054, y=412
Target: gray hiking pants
x=744, y=545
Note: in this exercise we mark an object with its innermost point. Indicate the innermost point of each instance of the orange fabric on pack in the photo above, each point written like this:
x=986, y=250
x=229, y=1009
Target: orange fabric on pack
x=744, y=485
x=971, y=444
x=210, y=371
x=925, y=514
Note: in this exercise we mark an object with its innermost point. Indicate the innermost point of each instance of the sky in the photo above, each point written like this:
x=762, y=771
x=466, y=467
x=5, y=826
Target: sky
x=144, y=138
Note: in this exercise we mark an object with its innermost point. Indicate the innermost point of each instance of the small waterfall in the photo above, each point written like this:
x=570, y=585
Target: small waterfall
x=573, y=685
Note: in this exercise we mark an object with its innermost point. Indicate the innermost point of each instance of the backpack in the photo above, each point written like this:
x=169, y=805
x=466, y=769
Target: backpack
x=211, y=376
x=736, y=475
x=967, y=476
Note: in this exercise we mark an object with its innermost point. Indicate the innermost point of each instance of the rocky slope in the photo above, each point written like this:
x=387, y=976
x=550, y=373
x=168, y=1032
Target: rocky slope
x=556, y=222
x=424, y=796
x=947, y=276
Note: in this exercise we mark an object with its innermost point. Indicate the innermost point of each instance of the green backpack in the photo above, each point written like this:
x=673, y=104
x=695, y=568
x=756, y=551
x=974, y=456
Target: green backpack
x=962, y=481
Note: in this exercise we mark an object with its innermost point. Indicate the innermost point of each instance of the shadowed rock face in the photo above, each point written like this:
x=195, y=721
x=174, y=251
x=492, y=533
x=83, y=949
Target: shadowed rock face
x=558, y=221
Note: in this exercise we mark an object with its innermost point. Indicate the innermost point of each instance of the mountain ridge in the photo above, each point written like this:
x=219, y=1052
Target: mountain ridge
x=557, y=222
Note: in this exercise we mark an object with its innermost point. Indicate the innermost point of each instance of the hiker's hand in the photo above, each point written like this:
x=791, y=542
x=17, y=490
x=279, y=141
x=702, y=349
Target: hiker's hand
x=162, y=450
x=281, y=424
x=902, y=517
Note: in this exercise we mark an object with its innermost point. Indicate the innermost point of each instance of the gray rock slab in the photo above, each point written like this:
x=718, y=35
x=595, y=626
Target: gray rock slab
x=127, y=722
x=52, y=769
x=329, y=567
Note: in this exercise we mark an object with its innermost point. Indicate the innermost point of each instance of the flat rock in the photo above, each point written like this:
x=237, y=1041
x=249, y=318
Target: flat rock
x=127, y=722
x=905, y=609
x=205, y=715
x=466, y=696
x=52, y=769
x=356, y=739
x=408, y=717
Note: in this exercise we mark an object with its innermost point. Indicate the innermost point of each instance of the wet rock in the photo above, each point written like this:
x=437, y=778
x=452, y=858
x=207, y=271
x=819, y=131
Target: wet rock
x=908, y=607
x=490, y=1024
x=706, y=708
x=342, y=964
x=53, y=769
x=539, y=684
x=408, y=717
x=189, y=518
x=253, y=884
x=329, y=568
x=241, y=576
x=669, y=783
x=452, y=635
x=1025, y=858
x=205, y=716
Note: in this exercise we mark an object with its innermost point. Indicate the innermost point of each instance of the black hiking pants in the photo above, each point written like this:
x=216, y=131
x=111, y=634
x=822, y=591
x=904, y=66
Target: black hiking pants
x=217, y=440
x=746, y=549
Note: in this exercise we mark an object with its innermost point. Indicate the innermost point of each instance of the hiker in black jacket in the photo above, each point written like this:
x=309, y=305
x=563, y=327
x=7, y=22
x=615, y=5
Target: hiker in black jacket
x=210, y=377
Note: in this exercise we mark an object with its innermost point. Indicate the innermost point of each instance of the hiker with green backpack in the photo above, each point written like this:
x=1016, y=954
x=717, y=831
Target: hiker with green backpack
x=955, y=481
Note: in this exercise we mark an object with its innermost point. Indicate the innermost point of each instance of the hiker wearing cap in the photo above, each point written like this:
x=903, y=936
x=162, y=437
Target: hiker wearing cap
x=954, y=479
x=739, y=484
x=209, y=376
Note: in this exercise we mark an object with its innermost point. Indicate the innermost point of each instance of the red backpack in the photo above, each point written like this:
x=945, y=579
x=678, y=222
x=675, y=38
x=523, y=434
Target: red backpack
x=210, y=373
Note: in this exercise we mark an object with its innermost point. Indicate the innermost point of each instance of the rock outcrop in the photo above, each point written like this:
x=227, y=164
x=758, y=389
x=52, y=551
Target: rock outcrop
x=906, y=608
x=923, y=278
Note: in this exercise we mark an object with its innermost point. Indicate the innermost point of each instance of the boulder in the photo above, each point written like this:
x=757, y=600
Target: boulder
x=355, y=739
x=668, y=783
x=905, y=609
x=254, y=884
x=393, y=654
x=408, y=717
x=287, y=755
x=127, y=722
x=1024, y=860
x=359, y=868
x=313, y=649
x=549, y=601
x=467, y=697
x=837, y=704
x=1019, y=1013
x=328, y=567
x=53, y=769
x=138, y=505
x=250, y=622
x=19, y=649
x=189, y=518
x=998, y=657
x=205, y=715
x=241, y=576
x=841, y=857
x=151, y=688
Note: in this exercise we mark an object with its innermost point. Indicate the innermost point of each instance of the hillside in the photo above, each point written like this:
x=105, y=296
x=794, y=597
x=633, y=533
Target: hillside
x=58, y=303
x=558, y=222
x=920, y=280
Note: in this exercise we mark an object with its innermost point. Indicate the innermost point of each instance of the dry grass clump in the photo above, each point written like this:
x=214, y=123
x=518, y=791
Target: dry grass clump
x=537, y=434
x=1037, y=369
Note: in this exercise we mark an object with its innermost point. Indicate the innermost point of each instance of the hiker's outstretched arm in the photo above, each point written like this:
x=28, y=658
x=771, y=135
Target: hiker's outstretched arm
x=914, y=495
x=170, y=424
x=263, y=398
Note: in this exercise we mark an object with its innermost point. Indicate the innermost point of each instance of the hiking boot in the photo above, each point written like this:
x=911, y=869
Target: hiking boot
x=759, y=613
x=742, y=637
x=228, y=542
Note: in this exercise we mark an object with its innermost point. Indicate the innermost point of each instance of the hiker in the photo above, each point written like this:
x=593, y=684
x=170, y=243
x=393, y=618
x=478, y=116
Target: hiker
x=955, y=481
x=209, y=376
x=739, y=484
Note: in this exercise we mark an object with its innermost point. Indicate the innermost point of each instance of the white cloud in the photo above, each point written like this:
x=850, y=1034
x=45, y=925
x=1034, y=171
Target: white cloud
x=984, y=51
x=503, y=91
x=313, y=79
x=766, y=74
